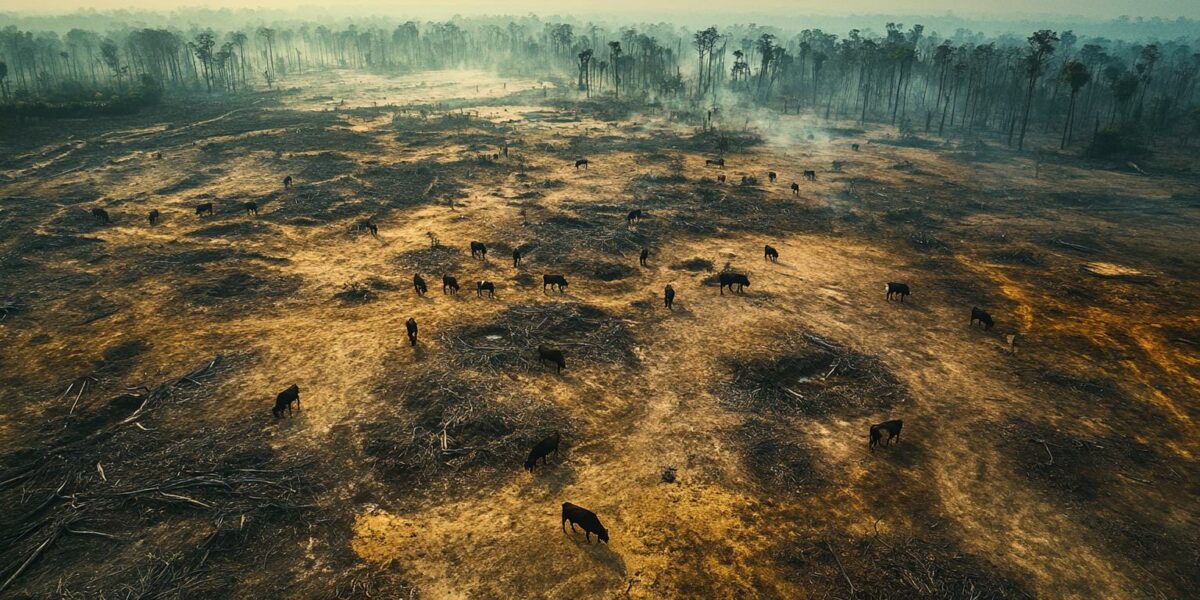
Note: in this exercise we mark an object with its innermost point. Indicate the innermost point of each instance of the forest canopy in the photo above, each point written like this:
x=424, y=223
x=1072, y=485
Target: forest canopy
x=907, y=75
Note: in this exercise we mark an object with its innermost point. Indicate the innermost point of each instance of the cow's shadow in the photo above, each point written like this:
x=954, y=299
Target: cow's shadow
x=600, y=552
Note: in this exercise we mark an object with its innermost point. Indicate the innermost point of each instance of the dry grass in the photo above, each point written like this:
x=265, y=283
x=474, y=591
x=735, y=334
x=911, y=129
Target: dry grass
x=132, y=471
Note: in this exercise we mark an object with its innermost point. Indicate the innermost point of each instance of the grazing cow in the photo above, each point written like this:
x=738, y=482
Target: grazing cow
x=854, y=147
x=770, y=253
x=450, y=283
x=251, y=208
x=983, y=318
x=891, y=427
x=101, y=214
x=541, y=450
x=583, y=162
x=810, y=175
x=721, y=178
x=411, y=326
x=669, y=297
x=634, y=216
x=516, y=258
x=287, y=182
x=897, y=289
x=717, y=162
x=154, y=214
x=478, y=250
x=554, y=280
x=367, y=225
x=643, y=256
x=771, y=175
x=577, y=515
x=795, y=189
x=731, y=279
x=285, y=399
x=207, y=207
x=419, y=285
x=158, y=156
x=552, y=355
x=837, y=165
x=486, y=286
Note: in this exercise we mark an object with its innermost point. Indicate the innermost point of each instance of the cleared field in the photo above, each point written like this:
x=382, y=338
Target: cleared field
x=140, y=362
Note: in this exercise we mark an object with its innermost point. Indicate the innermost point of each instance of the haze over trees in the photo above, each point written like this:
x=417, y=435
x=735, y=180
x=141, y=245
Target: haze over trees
x=961, y=85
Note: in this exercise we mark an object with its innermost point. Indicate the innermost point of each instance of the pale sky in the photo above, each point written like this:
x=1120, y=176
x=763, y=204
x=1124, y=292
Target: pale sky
x=1096, y=9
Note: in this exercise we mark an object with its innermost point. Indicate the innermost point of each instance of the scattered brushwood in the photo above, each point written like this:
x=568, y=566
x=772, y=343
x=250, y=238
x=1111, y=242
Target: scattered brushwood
x=449, y=423
x=237, y=229
x=509, y=341
x=9, y=307
x=1082, y=467
x=583, y=226
x=695, y=265
x=355, y=292
x=238, y=287
x=808, y=375
x=708, y=208
x=926, y=565
x=716, y=141
x=926, y=242
x=107, y=481
x=1018, y=257
x=435, y=260
x=776, y=457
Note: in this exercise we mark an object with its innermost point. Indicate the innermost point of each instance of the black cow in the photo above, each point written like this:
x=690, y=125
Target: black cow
x=451, y=283
x=516, y=258
x=854, y=147
x=541, y=450
x=287, y=182
x=101, y=214
x=478, y=250
x=983, y=318
x=577, y=515
x=643, y=256
x=486, y=286
x=732, y=279
x=367, y=225
x=154, y=214
x=207, y=207
x=771, y=175
x=810, y=175
x=419, y=285
x=770, y=253
x=285, y=399
x=251, y=208
x=795, y=189
x=837, y=165
x=721, y=178
x=555, y=356
x=891, y=427
x=411, y=326
x=634, y=216
x=897, y=289
x=669, y=297
x=583, y=162
x=554, y=280
x=719, y=162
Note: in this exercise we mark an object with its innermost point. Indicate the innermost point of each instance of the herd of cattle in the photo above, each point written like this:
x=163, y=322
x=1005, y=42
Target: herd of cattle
x=736, y=282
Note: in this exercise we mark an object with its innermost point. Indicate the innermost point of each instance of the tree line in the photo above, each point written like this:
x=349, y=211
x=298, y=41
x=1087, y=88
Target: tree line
x=960, y=85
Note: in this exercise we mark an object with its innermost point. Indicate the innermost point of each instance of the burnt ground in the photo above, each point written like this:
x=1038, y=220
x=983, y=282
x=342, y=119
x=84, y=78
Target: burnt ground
x=723, y=444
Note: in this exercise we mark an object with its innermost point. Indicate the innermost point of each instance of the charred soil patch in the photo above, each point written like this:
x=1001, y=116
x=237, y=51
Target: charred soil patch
x=812, y=377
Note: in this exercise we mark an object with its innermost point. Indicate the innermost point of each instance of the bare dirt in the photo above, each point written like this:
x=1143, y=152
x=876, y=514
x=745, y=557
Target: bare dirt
x=140, y=363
